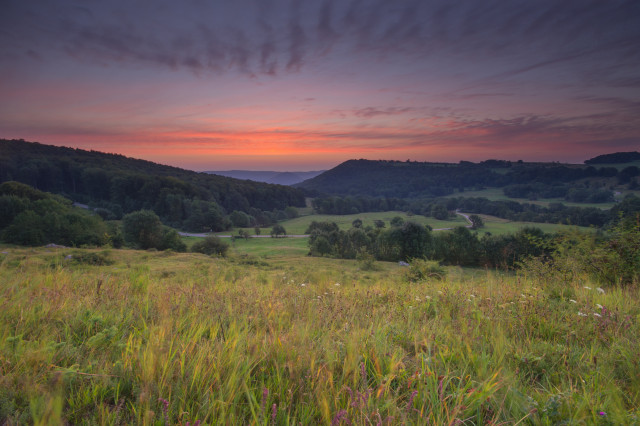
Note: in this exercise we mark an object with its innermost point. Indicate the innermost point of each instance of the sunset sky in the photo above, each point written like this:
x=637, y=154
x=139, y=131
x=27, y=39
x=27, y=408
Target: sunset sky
x=305, y=85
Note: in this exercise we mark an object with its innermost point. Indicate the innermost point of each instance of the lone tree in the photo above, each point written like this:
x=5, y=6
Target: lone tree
x=277, y=231
x=357, y=223
x=476, y=221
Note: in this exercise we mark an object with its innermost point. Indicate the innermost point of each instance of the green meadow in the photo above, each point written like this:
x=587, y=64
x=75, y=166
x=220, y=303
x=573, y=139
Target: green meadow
x=269, y=336
x=496, y=194
x=299, y=225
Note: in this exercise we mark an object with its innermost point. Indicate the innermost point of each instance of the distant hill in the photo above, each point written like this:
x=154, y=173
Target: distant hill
x=280, y=178
x=409, y=180
x=117, y=185
x=615, y=158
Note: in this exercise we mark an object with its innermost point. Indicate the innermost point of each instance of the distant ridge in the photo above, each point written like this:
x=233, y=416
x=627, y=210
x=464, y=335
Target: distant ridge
x=615, y=158
x=280, y=178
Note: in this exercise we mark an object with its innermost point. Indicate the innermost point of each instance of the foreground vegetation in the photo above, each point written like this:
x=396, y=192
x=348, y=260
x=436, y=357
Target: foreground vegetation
x=135, y=337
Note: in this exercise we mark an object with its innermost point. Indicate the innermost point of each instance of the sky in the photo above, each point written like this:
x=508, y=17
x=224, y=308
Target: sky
x=306, y=85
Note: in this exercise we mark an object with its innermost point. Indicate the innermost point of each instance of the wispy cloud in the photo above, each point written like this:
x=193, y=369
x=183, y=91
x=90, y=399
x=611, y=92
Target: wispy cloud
x=243, y=36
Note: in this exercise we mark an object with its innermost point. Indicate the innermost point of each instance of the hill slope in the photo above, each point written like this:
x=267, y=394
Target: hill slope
x=119, y=184
x=415, y=179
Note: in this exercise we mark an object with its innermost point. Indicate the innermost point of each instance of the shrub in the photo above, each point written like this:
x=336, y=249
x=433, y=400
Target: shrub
x=422, y=270
x=143, y=229
x=211, y=245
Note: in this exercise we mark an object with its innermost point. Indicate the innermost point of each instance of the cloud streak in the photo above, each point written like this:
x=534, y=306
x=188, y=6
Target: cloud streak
x=217, y=37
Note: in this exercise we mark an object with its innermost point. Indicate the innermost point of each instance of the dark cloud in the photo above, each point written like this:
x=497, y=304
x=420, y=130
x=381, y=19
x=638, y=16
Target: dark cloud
x=371, y=112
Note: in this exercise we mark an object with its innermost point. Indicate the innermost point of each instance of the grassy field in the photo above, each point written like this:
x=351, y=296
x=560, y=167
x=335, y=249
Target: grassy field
x=499, y=226
x=300, y=224
x=297, y=226
x=134, y=337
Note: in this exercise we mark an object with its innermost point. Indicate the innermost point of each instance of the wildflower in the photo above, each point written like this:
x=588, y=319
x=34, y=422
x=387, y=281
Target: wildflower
x=581, y=314
x=417, y=299
x=599, y=306
x=427, y=297
x=600, y=290
x=588, y=288
x=165, y=409
x=303, y=285
x=274, y=412
x=341, y=416
x=473, y=295
x=602, y=413
x=597, y=315
x=410, y=402
x=572, y=301
x=439, y=292
x=337, y=284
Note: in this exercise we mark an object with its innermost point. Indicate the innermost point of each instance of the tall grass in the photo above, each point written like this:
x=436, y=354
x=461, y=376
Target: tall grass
x=160, y=338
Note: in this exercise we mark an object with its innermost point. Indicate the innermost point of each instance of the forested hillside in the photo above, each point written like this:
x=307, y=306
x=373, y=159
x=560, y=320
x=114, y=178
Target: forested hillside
x=418, y=179
x=116, y=185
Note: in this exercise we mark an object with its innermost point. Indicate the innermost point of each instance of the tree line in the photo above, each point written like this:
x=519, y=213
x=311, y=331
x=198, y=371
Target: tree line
x=613, y=258
x=404, y=241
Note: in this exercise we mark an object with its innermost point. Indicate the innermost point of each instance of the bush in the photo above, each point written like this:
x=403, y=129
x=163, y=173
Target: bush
x=171, y=240
x=366, y=260
x=422, y=270
x=143, y=229
x=91, y=258
x=211, y=245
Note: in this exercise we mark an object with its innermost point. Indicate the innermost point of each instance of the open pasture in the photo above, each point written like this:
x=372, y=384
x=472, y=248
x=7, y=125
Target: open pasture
x=134, y=337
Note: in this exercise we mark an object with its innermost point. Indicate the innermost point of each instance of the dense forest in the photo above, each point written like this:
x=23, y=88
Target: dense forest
x=115, y=185
x=412, y=180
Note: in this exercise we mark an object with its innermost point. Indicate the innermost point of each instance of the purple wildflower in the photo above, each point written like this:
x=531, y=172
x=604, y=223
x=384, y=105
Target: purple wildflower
x=340, y=417
x=274, y=412
x=265, y=395
x=165, y=409
x=410, y=402
x=602, y=413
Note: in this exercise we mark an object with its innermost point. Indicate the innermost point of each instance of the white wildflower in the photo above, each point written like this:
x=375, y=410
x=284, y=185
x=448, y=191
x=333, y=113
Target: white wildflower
x=597, y=315
x=581, y=314
x=572, y=301
x=588, y=288
x=439, y=292
x=599, y=306
x=417, y=299
x=427, y=297
x=303, y=285
x=468, y=300
x=473, y=295
x=337, y=284
x=600, y=290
